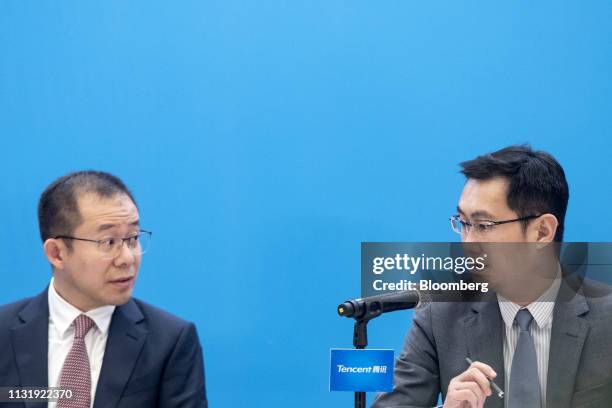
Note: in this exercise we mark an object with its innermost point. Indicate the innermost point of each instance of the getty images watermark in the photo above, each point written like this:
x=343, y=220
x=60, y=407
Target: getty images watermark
x=413, y=264
x=454, y=271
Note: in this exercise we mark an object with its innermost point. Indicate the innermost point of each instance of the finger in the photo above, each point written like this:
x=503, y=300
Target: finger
x=481, y=379
x=473, y=387
x=474, y=374
x=485, y=368
x=457, y=392
x=467, y=395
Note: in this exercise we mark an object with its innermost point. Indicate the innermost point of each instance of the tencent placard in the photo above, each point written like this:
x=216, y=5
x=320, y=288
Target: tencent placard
x=361, y=370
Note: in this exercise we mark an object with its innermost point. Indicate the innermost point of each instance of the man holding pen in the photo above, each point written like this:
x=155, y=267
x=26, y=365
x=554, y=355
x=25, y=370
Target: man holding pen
x=543, y=337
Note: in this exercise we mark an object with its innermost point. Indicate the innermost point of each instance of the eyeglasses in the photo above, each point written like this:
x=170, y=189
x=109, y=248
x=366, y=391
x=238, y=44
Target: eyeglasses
x=480, y=227
x=110, y=248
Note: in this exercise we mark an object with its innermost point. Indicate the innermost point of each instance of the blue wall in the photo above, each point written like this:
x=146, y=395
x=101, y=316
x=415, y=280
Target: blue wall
x=265, y=140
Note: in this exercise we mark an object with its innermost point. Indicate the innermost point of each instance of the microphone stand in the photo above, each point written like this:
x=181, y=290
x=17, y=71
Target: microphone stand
x=363, y=312
x=360, y=341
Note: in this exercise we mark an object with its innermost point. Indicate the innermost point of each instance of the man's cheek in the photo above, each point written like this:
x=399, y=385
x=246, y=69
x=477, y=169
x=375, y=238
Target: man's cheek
x=137, y=267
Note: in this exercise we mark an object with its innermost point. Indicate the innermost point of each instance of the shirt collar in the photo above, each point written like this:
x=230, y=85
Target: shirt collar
x=62, y=313
x=541, y=309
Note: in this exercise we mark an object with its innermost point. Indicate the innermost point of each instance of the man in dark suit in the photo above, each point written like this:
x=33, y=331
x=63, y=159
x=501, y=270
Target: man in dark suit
x=543, y=337
x=85, y=332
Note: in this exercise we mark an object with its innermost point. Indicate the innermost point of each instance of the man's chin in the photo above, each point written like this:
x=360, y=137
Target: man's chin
x=119, y=299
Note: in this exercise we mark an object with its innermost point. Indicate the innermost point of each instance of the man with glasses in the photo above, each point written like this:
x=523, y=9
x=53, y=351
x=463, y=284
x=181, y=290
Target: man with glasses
x=544, y=336
x=85, y=333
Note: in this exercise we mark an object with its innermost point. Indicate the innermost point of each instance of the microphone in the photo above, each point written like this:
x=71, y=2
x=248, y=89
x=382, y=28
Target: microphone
x=374, y=306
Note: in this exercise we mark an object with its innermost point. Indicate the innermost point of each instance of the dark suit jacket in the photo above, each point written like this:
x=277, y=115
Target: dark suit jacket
x=152, y=358
x=443, y=334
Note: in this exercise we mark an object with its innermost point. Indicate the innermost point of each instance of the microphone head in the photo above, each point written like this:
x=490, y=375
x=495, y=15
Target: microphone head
x=346, y=309
x=374, y=306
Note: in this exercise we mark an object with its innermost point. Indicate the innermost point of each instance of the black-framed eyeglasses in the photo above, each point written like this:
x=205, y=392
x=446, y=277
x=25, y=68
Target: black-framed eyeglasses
x=138, y=244
x=481, y=226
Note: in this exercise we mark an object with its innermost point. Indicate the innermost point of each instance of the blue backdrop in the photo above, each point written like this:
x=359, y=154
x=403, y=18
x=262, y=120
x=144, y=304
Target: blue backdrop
x=264, y=140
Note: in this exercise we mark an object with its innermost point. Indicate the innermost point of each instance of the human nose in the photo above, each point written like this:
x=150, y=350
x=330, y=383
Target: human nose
x=125, y=256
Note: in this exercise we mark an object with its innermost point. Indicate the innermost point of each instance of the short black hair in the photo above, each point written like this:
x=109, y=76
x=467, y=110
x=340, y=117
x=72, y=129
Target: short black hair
x=58, y=210
x=537, y=183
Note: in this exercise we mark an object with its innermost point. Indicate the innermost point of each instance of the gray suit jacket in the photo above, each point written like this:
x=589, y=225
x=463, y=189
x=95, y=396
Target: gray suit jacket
x=443, y=334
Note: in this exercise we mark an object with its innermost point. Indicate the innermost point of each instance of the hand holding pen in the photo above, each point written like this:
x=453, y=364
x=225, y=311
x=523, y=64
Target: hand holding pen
x=472, y=387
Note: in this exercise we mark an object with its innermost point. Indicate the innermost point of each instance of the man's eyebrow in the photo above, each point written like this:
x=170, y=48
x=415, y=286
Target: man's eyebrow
x=476, y=214
x=105, y=227
x=481, y=214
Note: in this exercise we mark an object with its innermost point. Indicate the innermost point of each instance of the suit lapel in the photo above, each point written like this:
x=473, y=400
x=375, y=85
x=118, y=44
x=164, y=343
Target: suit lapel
x=125, y=340
x=485, y=342
x=567, y=337
x=30, y=342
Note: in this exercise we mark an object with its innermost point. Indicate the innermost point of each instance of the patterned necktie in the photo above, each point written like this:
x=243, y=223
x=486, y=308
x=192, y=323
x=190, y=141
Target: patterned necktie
x=76, y=373
x=524, y=379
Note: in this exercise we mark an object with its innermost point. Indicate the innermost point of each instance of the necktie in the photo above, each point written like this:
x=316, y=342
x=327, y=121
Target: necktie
x=524, y=380
x=76, y=373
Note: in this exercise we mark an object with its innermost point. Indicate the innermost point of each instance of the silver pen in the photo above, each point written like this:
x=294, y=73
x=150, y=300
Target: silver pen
x=498, y=390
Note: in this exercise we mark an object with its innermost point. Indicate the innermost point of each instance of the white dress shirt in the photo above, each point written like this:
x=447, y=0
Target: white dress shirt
x=542, y=311
x=61, y=337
